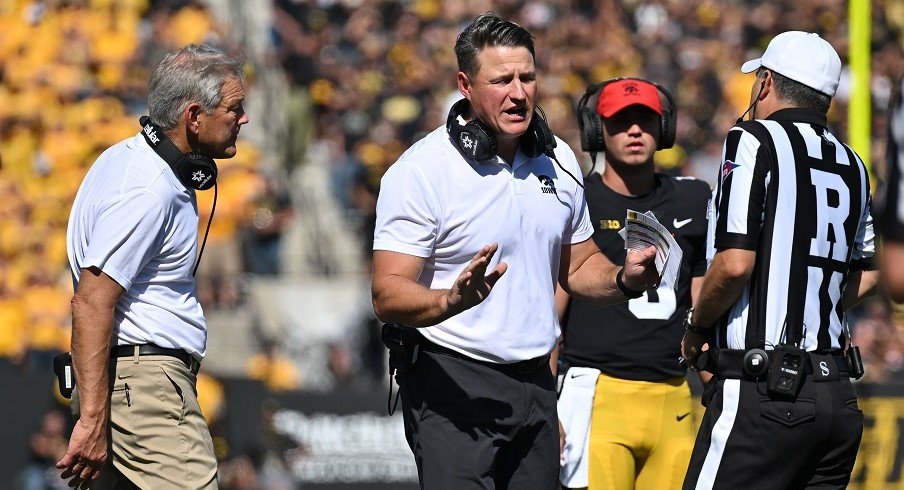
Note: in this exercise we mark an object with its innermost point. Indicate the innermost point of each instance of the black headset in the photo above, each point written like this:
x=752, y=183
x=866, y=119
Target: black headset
x=477, y=142
x=193, y=169
x=591, y=124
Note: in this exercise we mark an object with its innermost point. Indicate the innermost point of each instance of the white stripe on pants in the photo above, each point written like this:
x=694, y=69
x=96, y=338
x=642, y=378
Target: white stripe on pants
x=731, y=391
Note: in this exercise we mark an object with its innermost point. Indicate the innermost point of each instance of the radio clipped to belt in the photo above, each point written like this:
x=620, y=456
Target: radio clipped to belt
x=787, y=365
x=404, y=344
x=62, y=367
x=786, y=370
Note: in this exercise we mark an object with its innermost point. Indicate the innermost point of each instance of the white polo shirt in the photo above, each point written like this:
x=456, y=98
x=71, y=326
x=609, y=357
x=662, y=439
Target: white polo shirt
x=135, y=221
x=435, y=204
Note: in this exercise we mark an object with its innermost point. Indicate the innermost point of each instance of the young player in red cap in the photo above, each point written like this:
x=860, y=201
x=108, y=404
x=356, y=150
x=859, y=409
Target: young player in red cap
x=625, y=358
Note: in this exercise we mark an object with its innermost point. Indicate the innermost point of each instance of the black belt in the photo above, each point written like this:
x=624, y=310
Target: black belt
x=191, y=363
x=729, y=363
x=519, y=367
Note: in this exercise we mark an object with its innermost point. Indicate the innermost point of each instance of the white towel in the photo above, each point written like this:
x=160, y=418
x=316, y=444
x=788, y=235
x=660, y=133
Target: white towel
x=575, y=406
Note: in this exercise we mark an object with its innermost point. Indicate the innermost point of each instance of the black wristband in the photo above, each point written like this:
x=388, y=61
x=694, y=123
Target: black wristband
x=625, y=290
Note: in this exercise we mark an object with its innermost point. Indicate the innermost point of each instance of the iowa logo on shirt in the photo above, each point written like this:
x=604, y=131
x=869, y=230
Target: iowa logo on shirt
x=547, y=186
x=610, y=224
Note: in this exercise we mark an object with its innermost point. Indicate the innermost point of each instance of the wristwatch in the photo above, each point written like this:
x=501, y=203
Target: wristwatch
x=689, y=325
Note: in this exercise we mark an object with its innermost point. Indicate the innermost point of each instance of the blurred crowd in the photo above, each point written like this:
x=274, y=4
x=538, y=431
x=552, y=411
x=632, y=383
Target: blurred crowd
x=380, y=74
x=73, y=79
x=363, y=79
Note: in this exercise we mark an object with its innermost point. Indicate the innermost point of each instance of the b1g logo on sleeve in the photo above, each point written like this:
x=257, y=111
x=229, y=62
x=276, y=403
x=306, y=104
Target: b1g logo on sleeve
x=833, y=206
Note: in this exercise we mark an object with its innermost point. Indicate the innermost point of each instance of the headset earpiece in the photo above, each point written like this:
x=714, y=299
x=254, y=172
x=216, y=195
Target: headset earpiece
x=590, y=123
x=473, y=139
x=667, y=126
x=194, y=170
x=539, y=138
x=199, y=170
x=477, y=142
x=591, y=131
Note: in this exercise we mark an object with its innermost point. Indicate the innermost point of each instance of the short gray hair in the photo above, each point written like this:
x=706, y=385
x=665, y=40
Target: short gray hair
x=195, y=73
x=797, y=93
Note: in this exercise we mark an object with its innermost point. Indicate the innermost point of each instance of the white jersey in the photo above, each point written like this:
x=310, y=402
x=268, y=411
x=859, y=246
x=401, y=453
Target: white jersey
x=137, y=223
x=435, y=204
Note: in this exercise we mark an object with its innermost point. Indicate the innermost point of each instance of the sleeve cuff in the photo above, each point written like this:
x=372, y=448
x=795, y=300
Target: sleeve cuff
x=741, y=242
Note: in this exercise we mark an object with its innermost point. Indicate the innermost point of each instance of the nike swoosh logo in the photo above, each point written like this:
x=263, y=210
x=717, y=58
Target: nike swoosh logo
x=679, y=224
x=679, y=418
x=576, y=375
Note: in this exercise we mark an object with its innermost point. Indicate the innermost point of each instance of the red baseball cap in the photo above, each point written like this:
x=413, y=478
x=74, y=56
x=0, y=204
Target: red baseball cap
x=615, y=96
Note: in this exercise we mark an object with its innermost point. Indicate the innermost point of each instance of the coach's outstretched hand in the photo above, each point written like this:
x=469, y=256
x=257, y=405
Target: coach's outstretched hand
x=640, y=269
x=474, y=284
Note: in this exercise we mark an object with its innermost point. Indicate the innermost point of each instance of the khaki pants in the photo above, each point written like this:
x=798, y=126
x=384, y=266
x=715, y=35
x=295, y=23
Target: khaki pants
x=158, y=437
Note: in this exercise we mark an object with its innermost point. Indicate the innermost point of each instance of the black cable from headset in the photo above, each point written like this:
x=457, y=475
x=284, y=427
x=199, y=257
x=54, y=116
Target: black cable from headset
x=207, y=231
x=576, y=181
x=753, y=104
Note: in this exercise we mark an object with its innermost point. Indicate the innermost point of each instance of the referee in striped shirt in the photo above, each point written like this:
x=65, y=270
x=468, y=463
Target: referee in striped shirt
x=792, y=240
x=890, y=214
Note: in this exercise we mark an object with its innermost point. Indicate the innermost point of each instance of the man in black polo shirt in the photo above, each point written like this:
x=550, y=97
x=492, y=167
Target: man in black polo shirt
x=793, y=242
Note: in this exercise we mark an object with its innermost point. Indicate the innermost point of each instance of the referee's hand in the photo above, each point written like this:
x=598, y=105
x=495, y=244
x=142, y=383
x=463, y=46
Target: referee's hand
x=692, y=345
x=474, y=284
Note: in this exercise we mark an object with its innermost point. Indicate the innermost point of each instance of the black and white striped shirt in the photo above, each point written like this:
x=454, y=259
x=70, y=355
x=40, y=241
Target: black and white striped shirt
x=793, y=193
x=890, y=212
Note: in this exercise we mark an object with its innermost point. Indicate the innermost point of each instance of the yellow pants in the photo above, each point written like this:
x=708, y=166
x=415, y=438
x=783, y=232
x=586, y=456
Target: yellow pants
x=641, y=434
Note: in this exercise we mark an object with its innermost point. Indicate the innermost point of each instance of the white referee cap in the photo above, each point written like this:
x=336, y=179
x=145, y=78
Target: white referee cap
x=803, y=57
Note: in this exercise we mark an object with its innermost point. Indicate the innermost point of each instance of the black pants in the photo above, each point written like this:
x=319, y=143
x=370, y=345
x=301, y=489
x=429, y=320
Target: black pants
x=472, y=426
x=747, y=440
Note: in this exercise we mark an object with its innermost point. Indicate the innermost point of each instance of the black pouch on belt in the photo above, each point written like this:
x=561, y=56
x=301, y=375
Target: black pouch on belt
x=62, y=367
x=786, y=371
x=403, y=343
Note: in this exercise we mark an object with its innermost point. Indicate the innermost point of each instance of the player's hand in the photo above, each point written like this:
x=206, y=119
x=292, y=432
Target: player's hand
x=640, y=269
x=86, y=455
x=474, y=284
x=692, y=345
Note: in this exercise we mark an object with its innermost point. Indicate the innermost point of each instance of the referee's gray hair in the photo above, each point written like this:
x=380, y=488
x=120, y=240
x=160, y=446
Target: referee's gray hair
x=799, y=94
x=195, y=73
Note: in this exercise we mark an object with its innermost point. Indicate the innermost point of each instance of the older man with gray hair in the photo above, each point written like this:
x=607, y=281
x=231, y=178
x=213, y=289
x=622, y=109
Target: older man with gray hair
x=138, y=331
